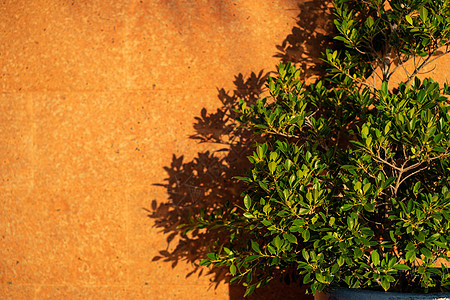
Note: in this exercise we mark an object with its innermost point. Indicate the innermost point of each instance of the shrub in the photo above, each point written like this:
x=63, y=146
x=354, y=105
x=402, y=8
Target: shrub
x=351, y=186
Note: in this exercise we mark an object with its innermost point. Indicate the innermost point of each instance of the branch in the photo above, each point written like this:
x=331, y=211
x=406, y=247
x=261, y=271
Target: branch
x=403, y=170
x=308, y=121
x=430, y=159
x=423, y=64
x=415, y=172
x=380, y=160
x=357, y=80
x=401, y=64
x=284, y=134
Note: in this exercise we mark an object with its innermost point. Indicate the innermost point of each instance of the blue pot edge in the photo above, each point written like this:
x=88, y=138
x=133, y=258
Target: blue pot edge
x=337, y=289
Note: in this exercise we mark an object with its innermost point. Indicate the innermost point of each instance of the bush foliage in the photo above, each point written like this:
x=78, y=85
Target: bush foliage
x=351, y=186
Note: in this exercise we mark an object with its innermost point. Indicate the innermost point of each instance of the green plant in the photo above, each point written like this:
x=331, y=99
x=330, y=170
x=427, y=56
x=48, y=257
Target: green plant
x=351, y=186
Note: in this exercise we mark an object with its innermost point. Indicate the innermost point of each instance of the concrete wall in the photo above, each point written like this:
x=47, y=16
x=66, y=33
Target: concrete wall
x=111, y=117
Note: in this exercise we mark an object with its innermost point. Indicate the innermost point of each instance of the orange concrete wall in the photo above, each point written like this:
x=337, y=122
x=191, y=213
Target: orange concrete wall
x=98, y=103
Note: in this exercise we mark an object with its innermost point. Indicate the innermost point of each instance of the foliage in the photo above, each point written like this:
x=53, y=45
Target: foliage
x=351, y=186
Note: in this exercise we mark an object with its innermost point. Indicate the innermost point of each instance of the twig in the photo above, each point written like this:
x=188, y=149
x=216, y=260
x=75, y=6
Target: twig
x=284, y=134
x=415, y=172
x=380, y=160
x=357, y=80
x=423, y=64
x=401, y=64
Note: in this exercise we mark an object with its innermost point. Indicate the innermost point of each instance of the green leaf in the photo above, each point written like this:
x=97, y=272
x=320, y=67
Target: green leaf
x=272, y=166
x=294, y=228
x=388, y=182
x=306, y=235
x=385, y=283
x=241, y=178
x=285, y=194
x=320, y=277
x=367, y=231
x=370, y=207
x=387, y=127
x=263, y=185
x=307, y=279
x=421, y=237
x=365, y=131
x=273, y=156
x=283, y=213
x=291, y=238
x=384, y=88
x=357, y=252
x=291, y=179
x=305, y=254
x=247, y=201
x=427, y=253
x=260, y=151
x=267, y=223
x=331, y=221
x=340, y=261
x=248, y=215
x=205, y=262
x=340, y=38
x=402, y=267
x=438, y=137
x=410, y=255
x=423, y=12
x=416, y=187
x=335, y=268
x=233, y=270
x=255, y=247
x=348, y=167
x=409, y=19
x=375, y=257
x=277, y=242
x=288, y=164
x=271, y=84
x=251, y=258
x=347, y=206
x=250, y=289
x=299, y=222
x=212, y=256
x=391, y=234
x=421, y=96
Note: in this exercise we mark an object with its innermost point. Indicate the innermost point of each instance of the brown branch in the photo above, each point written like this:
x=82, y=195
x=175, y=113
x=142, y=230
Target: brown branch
x=423, y=64
x=357, y=80
x=380, y=160
x=413, y=173
x=284, y=134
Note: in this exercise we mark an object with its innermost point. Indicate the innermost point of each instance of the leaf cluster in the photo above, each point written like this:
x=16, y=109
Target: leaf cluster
x=352, y=184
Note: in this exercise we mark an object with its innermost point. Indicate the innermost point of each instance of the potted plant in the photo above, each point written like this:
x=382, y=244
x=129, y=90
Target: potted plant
x=350, y=188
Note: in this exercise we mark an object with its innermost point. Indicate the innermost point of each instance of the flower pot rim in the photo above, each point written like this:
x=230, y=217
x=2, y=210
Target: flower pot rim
x=338, y=293
x=362, y=290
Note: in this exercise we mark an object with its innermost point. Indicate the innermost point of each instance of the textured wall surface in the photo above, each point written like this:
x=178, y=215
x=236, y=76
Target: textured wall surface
x=111, y=118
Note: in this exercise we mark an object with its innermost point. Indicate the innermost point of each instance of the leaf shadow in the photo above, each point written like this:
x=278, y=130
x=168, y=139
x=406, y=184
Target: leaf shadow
x=310, y=37
x=207, y=181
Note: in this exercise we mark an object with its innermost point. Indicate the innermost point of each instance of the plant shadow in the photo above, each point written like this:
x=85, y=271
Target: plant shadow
x=309, y=38
x=207, y=181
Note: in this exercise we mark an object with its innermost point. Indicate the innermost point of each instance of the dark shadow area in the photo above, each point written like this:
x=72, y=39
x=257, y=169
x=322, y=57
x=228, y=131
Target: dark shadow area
x=309, y=38
x=206, y=181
